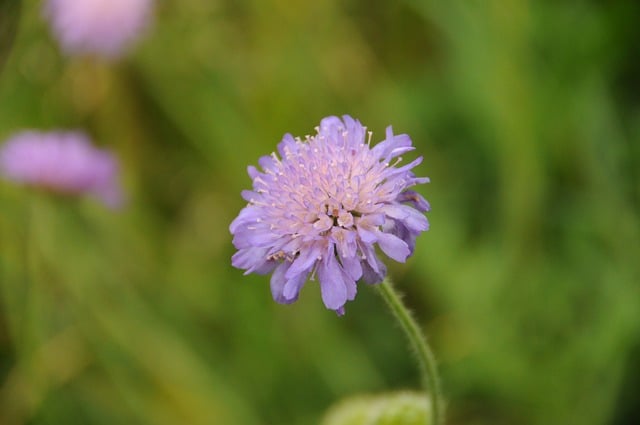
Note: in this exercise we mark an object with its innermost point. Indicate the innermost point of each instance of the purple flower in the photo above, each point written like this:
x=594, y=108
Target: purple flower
x=322, y=207
x=63, y=162
x=102, y=27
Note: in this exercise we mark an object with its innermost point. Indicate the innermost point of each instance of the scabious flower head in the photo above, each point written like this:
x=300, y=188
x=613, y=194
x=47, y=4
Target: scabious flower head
x=321, y=208
x=63, y=162
x=102, y=27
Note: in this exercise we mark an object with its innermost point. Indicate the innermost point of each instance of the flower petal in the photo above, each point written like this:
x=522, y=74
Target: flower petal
x=307, y=258
x=292, y=287
x=352, y=267
x=247, y=238
x=370, y=276
x=287, y=146
x=332, y=285
x=393, y=246
x=410, y=217
x=415, y=199
x=277, y=283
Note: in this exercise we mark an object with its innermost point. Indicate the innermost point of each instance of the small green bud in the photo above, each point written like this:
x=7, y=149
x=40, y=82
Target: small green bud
x=403, y=408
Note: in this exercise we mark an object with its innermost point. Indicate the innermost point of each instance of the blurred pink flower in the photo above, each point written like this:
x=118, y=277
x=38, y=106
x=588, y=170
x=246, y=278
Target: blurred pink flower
x=64, y=162
x=102, y=27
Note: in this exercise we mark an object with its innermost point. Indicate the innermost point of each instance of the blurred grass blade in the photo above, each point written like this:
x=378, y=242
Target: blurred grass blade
x=9, y=17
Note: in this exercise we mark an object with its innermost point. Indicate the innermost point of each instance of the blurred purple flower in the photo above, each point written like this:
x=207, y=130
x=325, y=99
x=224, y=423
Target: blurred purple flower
x=102, y=27
x=64, y=162
x=323, y=207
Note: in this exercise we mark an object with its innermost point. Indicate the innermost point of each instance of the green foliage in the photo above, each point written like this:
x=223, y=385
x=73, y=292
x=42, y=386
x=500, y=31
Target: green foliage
x=528, y=116
x=9, y=17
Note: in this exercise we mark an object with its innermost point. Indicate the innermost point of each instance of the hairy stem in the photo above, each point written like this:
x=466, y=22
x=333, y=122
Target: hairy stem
x=425, y=356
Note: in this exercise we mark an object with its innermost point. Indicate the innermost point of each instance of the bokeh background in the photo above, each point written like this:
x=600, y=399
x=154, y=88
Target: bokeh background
x=528, y=116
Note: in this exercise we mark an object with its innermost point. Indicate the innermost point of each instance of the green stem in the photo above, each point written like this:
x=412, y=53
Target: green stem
x=417, y=339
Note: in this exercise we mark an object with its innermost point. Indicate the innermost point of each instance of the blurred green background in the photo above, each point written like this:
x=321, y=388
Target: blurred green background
x=528, y=116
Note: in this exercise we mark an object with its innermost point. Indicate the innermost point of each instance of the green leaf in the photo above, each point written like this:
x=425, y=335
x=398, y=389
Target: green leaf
x=9, y=18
